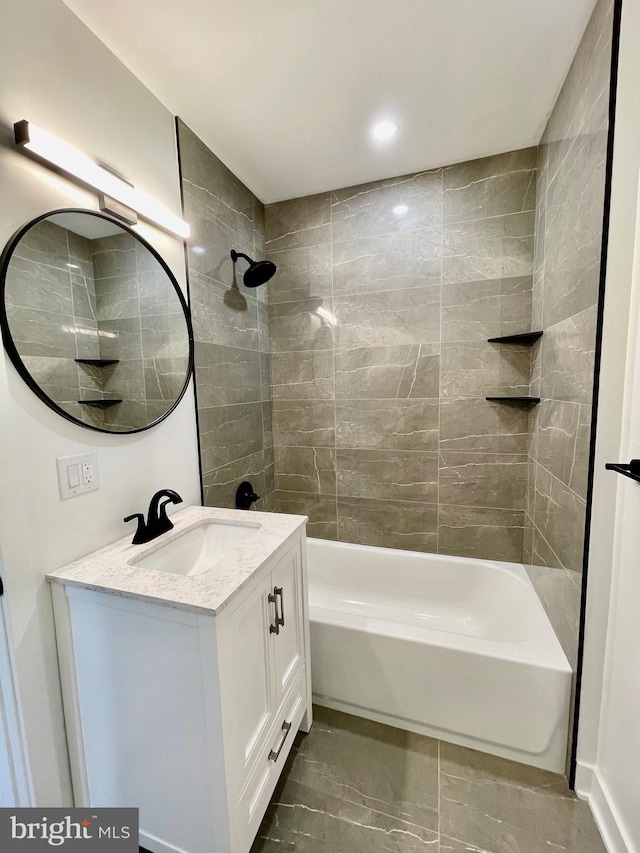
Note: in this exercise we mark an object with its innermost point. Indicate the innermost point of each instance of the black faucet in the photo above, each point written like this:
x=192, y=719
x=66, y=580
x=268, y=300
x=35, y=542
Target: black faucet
x=157, y=522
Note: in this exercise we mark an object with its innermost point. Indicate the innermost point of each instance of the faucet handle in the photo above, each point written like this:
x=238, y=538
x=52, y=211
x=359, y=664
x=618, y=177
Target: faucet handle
x=139, y=536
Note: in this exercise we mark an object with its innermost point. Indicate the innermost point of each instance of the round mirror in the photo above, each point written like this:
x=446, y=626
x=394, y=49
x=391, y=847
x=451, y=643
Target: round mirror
x=94, y=321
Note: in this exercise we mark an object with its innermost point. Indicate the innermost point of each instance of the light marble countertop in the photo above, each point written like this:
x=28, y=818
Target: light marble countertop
x=110, y=569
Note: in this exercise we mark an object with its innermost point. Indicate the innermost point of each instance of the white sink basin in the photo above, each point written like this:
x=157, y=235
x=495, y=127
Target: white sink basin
x=199, y=549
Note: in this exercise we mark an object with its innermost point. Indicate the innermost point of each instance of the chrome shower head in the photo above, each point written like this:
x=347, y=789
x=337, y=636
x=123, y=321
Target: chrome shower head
x=259, y=272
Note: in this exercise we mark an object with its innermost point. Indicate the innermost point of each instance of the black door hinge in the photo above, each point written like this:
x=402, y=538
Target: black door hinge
x=1, y=587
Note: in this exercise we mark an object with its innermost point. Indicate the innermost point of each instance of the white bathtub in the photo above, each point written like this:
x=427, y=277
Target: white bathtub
x=454, y=648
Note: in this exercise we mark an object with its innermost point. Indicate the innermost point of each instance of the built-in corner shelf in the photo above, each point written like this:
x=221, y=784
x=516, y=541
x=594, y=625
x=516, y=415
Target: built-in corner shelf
x=632, y=470
x=527, y=401
x=526, y=338
x=97, y=362
x=99, y=404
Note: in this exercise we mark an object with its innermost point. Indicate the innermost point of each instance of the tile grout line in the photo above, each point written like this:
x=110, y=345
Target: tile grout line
x=333, y=353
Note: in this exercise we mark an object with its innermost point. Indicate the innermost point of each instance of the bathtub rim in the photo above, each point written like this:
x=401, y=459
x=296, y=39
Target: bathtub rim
x=542, y=649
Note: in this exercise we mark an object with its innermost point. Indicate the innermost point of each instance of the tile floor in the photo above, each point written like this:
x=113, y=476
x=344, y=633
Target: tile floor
x=354, y=786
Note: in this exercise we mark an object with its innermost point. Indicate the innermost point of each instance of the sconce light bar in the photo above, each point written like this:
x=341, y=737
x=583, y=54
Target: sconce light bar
x=69, y=159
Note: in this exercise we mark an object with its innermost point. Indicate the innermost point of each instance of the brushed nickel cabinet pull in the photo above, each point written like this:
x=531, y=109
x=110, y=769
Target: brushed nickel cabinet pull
x=279, y=593
x=271, y=598
x=273, y=756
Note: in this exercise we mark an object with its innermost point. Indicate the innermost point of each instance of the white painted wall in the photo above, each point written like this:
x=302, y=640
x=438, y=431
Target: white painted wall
x=54, y=72
x=609, y=738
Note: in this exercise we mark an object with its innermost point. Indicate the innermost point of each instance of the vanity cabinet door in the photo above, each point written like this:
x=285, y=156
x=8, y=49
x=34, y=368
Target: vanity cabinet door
x=288, y=647
x=247, y=684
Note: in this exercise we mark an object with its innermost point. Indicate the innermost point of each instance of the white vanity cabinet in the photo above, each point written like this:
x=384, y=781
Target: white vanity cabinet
x=186, y=714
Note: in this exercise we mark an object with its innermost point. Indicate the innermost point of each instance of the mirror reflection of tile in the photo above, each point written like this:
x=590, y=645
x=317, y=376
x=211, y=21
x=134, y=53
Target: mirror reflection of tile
x=69, y=297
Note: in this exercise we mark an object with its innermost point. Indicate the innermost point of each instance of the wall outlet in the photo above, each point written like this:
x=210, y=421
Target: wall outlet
x=78, y=474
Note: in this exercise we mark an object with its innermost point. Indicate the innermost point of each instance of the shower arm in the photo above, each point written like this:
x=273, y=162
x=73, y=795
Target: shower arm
x=235, y=255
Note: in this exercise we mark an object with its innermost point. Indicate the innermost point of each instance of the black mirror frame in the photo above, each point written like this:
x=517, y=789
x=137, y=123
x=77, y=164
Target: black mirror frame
x=14, y=355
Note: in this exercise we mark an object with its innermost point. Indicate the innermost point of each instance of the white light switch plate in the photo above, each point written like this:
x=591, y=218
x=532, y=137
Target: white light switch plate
x=78, y=474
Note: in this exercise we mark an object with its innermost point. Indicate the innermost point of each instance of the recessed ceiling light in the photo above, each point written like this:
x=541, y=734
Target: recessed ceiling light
x=400, y=209
x=385, y=129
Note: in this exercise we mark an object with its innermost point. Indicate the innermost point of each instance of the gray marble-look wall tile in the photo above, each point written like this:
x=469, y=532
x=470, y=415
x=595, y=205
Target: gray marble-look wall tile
x=481, y=533
x=476, y=369
x=303, y=273
x=228, y=433
x=541, y=552
x=580, y=469
x=306, y=325
x=560, y=517
x=41, y=333
x=477, y=310
x=259, y=226
x=302, y=375
x=224, y=317
x=57, y=377
x=568, y=358
x=527, y=547
x=410, y=203
x=557, y=426
x=390, y=318
x=573, y=239
x=320, y=509
x=265, y=375
x=267, y=425
x=304, y=423
x=492, y=186
x=583, y=100
x=45, y=243
x=126, y=416
x=164, y=336
x=156, y=293
x=84, y=297
x=299, y=222
x=164, y=378
x=560, y=594
x=220, y=484
x=387, y=424
x=114, y=255
x=125, y=381
x=391, y=372
x=212, y=238
x=387, y=262
x=389, y=524
x=120, y=338
x=403, y=475
x=473, y=424
x=31, y=285
x=207, y=174
x=483, y=479
x=92, y=379
x=306, y=469
x=117, y=297
x=226, y=375
x=500, y=247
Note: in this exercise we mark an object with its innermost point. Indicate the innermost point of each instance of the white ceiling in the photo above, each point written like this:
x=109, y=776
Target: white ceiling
x=284, y=91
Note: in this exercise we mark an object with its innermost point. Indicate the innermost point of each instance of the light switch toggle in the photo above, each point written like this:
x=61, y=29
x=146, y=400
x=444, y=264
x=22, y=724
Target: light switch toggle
x=73, y=476
x=78, y=474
